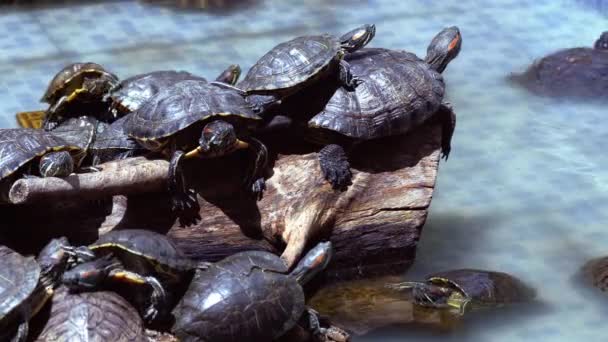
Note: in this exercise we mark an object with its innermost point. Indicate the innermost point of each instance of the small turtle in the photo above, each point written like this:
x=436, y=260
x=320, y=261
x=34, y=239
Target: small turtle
x=249, y=296
x=32, y=119
x=92, y=316
x=113, y=143
x=467, y=289
x=576, y=73
x=295, y=64
x=26, y=284
x=173, y=120
x=130, y=94
x=133, y=256
x=78, y=82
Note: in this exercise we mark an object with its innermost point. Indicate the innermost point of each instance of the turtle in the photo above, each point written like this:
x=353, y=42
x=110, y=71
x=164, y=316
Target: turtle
x=131, y=93
x=26, y=283
x=92, y=316
x=398, y=92
x=297, y=63
x=113, y=143
x=248, y=296
x=575, y=73
x=31, y=119
x=173, y=120
x=77, y=82
x=134, y=256
x=465, y=289
x=595, y=272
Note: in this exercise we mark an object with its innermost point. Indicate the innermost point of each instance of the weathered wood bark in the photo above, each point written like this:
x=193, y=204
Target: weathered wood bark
x=374, y=225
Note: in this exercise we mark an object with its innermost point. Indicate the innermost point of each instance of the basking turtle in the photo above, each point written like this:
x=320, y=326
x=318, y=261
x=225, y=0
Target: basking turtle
x=249, y=296
x=467, y=289
x=571, y=73
x=173, y=120
x=77, y=82
x=295, y=64
x=399, y=91
x=92, y=316
x=113, y=143
x=26, y=284
x=133, y=256
x=130, y=94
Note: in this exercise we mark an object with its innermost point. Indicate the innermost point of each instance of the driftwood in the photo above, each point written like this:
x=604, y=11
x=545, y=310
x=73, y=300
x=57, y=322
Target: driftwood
x=375, y=224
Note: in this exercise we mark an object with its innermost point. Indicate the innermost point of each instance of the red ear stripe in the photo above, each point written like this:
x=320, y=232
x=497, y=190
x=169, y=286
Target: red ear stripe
x=318, y=260
x=454, y=42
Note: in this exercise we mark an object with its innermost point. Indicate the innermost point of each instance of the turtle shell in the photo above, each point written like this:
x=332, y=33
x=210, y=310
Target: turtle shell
x=596, y=272
x=485, y=287
x=19, y=146
x=92, y=316
x=70, y=78
x=399, y=91
x=183, y=104
x=18, y=279
x=112, y=142
x=291, y=64
x=132, y=92
x=244, y=297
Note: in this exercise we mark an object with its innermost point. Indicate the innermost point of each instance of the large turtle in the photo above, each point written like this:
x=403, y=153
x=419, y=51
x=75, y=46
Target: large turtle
x=248, y=296
x=130, y=94
x=466, y=289
x=398, y=92
x=133, y=256
x=92, y=316
x=198, y=119
x=78, y=82
x=570, y=73
x=26, y=284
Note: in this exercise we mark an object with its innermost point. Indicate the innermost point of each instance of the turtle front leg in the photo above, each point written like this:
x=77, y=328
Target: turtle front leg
x=313, y=324
x=335, y=166
x=158, y=297
x=448, y=125
x=255, y=176
x=181, y=198
x=22, y=332
x=346, y=78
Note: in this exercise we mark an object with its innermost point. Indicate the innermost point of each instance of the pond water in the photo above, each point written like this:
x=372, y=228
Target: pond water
x=524, y=189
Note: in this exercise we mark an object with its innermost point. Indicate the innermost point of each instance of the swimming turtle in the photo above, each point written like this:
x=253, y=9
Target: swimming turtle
x=78, y=82
x=173, y=120
x=92, y=316
x=113, y=143
x=26, y=284
x=130, y=94
x=295, y=64
x=248, y=296
x=465, y=289
x=134, y=256
x=570, y=73
x=399, y=91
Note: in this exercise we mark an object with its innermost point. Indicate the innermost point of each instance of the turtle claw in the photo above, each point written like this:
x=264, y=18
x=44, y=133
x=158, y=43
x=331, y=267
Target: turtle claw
x=335, y=166
x=258, y=187
x=150, y=314
x=184, y=201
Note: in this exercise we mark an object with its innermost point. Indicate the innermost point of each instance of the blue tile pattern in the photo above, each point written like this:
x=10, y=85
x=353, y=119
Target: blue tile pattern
x=524, y=188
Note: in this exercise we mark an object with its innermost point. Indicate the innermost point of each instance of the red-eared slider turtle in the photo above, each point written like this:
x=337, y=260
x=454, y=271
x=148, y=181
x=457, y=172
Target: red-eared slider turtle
x=26, y=284
x=465, y=289
x=130, y=94
x=92, y=316
x=113, y=143
x=134, y=256
x=571, y=73
x=249, y=296
x=399, y=91
x=78, y=82
x=174, y=119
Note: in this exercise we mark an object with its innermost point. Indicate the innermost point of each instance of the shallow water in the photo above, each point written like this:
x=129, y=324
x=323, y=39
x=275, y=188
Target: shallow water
x=524, y=189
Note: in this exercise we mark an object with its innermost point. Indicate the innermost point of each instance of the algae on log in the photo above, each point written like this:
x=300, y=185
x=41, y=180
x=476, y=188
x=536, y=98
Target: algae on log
x=374, y=225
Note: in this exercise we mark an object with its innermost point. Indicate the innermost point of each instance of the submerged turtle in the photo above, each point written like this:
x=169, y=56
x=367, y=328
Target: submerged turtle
x=133, y=256
x=26, y=284
x=249, y=296
x=92, y=316
x=77, y=82
x=399, y=91
x=130, y=94
x=295, y=64
x=198, y=119
x=571, y=73
x=467, y=289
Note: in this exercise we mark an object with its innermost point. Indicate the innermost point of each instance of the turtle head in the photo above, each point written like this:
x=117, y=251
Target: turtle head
x=602, y=42
x=56, y=164
x=230, y=75
x=358, y=38
x=431, y=295
x=217, y=139
x=443, y=48
x=313, y=262
x=53, y=260
x=89, y=275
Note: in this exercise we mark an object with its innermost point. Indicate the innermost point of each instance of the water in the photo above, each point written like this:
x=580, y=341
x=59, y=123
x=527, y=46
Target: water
x=524, y=189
